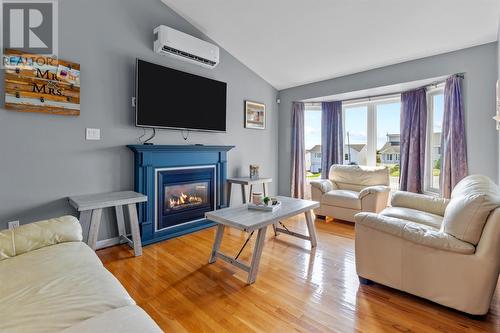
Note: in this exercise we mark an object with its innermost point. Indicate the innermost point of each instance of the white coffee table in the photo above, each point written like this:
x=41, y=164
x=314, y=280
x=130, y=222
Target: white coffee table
x=242, y=218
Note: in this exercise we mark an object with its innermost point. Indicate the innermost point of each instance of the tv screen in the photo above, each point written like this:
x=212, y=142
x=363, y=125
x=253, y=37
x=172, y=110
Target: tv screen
x=168, y=98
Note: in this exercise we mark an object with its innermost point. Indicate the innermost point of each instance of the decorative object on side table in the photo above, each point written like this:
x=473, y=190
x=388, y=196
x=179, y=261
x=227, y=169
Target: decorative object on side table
x=254, y=171
x=255, y=115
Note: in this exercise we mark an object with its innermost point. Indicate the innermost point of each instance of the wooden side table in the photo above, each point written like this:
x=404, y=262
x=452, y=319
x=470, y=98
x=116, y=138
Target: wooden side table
x=243, y=181
x=90, y=207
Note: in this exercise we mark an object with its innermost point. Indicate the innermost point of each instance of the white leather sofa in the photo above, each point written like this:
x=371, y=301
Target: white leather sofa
x=351, y=189
x=447, y=251
x=50, y=281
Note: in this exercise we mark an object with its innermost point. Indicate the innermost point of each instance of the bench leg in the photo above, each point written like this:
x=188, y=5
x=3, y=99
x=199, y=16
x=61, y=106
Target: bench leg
x=257, y=253
x=95, y=221
x=134, y=228
x=243, y=194
x=229, y=189
x=85, y=217
x=120, y=222
x=218, y=240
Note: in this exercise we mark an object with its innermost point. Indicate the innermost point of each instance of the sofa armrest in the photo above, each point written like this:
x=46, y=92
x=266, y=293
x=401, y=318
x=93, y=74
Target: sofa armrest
x=33, y=236
x=426, y=203
x=374, y=198
x=414, y=232
x=379, y=189
x=324, y=185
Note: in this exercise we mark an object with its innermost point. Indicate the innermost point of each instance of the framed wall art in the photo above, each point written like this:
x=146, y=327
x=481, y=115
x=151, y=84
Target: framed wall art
x=255, y=115
x=37, y=83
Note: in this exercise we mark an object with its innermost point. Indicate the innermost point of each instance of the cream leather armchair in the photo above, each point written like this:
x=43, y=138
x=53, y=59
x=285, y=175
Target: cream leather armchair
x=351, y=189
x=447, y=251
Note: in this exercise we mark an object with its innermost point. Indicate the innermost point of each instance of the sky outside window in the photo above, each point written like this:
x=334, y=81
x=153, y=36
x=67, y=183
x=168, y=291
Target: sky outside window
x=312, y=127
x=356, y=124
x=388, y=119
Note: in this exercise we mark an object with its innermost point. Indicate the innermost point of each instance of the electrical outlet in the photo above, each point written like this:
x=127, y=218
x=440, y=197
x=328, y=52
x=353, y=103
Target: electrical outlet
x=93, y=134
x=13, y=224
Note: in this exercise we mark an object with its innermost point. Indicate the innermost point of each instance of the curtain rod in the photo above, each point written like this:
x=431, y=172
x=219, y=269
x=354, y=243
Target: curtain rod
x=435, y=84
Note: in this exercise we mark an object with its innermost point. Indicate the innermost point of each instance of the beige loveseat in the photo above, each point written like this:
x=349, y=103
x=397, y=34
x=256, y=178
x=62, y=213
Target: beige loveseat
x=447, y=251
x=351, y=189
x=50, y=281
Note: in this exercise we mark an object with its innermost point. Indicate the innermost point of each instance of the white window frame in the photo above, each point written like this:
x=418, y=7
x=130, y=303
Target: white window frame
x=428, y=189
x=371, y=121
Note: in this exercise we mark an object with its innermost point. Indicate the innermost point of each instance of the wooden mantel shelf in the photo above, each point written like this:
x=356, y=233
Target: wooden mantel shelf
x=165, y=148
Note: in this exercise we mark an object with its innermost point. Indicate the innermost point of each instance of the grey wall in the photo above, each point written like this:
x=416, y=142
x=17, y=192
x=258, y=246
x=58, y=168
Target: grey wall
x=479, y=64
x=44, y=158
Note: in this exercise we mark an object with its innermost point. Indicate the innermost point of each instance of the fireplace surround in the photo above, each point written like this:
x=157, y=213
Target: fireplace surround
x=182, y=182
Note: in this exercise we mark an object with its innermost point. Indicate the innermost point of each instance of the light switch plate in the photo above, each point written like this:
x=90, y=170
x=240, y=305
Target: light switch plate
x=93, y=134
x=13, y=224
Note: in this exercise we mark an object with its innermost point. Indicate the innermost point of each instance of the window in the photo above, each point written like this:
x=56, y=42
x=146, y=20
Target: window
x=371, y=131
x=355, y=134
x=435, y=123
x=312, y=139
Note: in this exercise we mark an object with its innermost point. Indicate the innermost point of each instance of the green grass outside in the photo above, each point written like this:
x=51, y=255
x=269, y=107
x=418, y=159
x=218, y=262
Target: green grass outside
x=310, y=175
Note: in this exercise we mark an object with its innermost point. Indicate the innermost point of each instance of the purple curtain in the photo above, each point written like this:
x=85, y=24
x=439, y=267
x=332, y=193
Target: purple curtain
x=453, y=144
x=413, y=135
x=298, y=151
x=332, y=141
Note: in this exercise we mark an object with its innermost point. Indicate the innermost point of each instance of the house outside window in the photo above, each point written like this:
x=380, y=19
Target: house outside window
x=371, y=133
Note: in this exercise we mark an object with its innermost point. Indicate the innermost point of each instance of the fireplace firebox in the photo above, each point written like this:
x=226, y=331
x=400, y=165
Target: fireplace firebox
x=183, y=195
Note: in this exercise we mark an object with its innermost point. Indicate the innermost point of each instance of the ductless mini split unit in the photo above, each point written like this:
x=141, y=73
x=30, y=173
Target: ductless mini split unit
x=174, y=43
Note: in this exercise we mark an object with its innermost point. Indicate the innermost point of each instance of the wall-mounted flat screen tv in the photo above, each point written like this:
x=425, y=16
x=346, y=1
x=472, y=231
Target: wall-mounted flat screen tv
x=168, y=98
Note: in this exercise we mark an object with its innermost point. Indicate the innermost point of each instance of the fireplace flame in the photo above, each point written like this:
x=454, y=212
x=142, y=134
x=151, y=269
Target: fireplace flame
x=184, y=199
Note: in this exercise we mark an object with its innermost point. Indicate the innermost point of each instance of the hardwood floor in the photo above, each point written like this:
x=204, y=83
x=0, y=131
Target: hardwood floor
x=296, y=289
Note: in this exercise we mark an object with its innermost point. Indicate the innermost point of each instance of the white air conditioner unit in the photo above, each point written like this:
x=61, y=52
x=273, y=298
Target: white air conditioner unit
x=177, y=44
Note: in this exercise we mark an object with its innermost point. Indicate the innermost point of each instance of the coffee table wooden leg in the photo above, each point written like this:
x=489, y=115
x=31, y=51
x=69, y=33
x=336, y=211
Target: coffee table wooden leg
x=218, y=240
x=257, y=253
x=311, y=228
x=264, y=189
x=275, y=226
x=95, y=221
x=250, y=193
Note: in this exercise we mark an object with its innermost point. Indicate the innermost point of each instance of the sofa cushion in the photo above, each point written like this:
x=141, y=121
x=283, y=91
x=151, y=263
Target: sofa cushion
x=414, y=232
x=355, y=177
x=414, y=215
x=56, y=287
x=420, y=202
x=472, y=200
x=32, y=236
x=342, y=198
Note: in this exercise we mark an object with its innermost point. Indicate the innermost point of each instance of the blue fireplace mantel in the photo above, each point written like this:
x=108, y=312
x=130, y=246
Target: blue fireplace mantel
x=148, y=158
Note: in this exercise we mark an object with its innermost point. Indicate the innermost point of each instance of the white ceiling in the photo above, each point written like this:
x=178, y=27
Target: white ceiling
x=293, y=42
x=380, y=91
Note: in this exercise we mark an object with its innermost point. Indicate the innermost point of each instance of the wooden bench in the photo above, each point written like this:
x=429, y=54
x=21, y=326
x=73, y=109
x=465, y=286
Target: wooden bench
x=90, y=207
